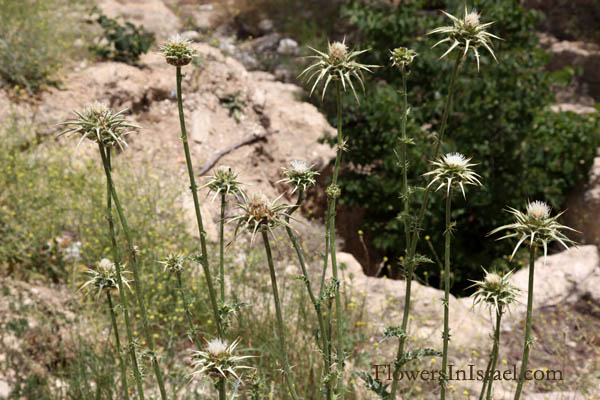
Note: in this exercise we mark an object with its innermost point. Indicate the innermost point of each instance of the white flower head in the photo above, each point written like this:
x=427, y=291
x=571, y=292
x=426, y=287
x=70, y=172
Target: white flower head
x=219, y=360
x=338, y=52
x=453, y=169
x=300, y=175
x=492, y=280
x=216, y=347
x=495, y=291
x=472, y=19
x=538, y=209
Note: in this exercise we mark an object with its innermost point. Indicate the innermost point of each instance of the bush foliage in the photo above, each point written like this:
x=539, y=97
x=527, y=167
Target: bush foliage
x=501, y=118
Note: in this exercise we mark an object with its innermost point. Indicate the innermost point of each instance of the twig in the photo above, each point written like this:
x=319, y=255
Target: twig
x=249, y=140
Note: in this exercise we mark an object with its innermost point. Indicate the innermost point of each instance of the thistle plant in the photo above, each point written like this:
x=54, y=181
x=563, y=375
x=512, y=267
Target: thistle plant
x=104, y=278
x=497, y=293
x=452, y=170
x=178, y=52
x=537, y=228
x=467, y=33
x=401, y=58
x=258, y=214
x=108, y=129
x=338, y=65
x=218, y=360
x=301, y=176
x=175, y=264
x=224, y=183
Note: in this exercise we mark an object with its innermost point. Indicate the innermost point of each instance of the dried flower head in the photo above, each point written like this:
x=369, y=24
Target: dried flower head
x=218, y=360
x=495, y=291
x=453, y=169
x=466, y=34
x=173, y=262
x=99, y=123
x=402, y=57
x=300, y=175
x=338, y=64
x=104, y=277
x=224, y=181
x=257, y=213
x=178, y=51
x=535, y=226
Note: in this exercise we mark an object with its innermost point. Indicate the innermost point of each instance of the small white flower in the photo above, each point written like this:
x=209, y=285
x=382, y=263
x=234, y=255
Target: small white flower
x=492, y=280
x=538, y=209
x=472, y=19
x=216, y=347
x=338, y=52
x=105, y=265
x=299, y=166
x=456, y=160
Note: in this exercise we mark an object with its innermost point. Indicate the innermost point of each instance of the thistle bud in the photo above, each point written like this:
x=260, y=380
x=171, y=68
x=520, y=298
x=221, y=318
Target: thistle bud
x=218, y=360
x=300, y=175
x=338, y=52
x=177, y=51
x=402, y=56
x=174, y=262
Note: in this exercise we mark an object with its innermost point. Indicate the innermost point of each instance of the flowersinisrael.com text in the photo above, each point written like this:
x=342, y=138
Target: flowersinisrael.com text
x=383, y=372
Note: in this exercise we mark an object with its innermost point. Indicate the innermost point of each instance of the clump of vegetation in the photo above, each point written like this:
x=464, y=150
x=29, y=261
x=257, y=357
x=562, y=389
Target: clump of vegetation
x=120, y=42
x=36, y=38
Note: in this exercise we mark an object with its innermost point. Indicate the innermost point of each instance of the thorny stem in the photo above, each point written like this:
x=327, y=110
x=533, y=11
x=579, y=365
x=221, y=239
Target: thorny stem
x=201, y=232
x=331, y=200
x=194, y=189
x=403, y=161
x=527, y=345
x=188, y=312
x=136, y=276
x=113, y=318
x=122, y=294
x=415, y=234
x=280, y=326
x=495, y=350
x=446, y=334
x=221, y=247
x=316, y=303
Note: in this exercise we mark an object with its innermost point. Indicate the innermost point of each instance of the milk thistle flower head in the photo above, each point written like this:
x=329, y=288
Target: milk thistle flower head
x=536, y=226
x=257, y=213
x=402, y=57
x=177, y=51
x=224, y=181
x=300, y=175
x=495, y=291
x=467, y=33
x=218, y=360
x=451, y=170
x=104, y=277
x=338, y=64
x=173, y=262
x=100, y=124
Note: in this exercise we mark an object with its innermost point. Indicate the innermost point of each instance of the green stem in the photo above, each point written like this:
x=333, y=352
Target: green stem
x=415, y=234
x=194, y=189
x=136, y=276
x=316, y=303
x=331, y=199
x=404, y=164
x=122, y=294
x=280, y=326
x=494, y=359
x=446, y=334
x=113, y=319
x=221, y=247
x=527, y=345
x=188, y=312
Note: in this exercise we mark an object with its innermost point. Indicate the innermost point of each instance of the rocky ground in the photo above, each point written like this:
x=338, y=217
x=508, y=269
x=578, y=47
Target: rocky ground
x=256, y=123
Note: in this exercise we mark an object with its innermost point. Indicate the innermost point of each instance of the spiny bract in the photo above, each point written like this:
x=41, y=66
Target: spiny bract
x=338, y=64
x=467, y=33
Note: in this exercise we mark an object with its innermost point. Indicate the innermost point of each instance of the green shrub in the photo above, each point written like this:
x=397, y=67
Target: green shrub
x=501, y=119
x=36, y=38
x=123, y=43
